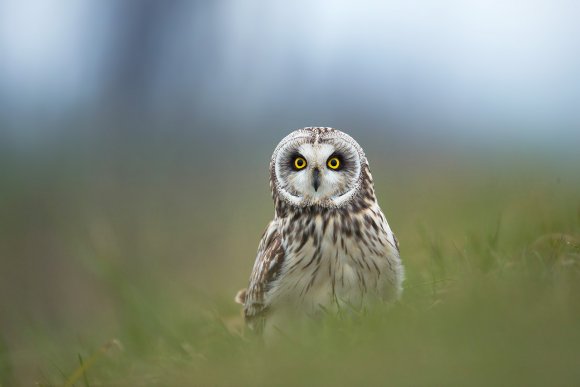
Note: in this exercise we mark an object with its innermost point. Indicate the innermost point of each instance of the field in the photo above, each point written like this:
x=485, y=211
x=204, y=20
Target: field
x=121, y=270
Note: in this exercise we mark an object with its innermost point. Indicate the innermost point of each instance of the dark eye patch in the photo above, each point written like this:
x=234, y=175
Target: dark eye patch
x=290, y=161
x=343, y=161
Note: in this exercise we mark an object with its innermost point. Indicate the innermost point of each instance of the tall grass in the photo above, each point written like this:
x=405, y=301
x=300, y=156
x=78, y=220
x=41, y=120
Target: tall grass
x=138, y=288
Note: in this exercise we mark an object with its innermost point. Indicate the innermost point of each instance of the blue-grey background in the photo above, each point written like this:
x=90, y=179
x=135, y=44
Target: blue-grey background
x=488, y=71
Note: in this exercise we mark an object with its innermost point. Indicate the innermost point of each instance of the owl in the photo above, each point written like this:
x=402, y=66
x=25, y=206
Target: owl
x=329, y=246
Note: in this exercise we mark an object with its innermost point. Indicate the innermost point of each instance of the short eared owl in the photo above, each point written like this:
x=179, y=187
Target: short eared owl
x=329, y=244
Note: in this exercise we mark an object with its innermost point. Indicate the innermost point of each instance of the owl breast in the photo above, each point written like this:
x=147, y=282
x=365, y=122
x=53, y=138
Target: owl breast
x=336, y=258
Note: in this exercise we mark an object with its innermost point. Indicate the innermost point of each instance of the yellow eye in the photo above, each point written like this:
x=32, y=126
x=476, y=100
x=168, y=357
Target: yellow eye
x=333, y=163
x=299, y=162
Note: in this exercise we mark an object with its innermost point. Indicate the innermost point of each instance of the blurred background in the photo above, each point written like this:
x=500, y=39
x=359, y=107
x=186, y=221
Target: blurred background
x=135, y=138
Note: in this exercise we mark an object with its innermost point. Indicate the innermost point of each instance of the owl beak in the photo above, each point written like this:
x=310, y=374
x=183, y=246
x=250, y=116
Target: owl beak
x=316, y=178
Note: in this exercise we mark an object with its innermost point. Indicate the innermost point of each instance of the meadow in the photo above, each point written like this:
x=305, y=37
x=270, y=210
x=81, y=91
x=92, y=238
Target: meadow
x=120, y=269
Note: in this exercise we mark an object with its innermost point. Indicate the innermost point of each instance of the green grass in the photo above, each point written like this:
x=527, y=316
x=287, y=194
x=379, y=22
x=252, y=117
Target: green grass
x=492, y=295
x=513, y=321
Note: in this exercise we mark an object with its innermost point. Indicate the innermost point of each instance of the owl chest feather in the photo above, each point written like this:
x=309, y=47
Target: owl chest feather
x=337, y=257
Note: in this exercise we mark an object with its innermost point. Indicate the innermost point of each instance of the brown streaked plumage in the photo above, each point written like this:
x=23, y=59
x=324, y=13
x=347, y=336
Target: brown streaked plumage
x=329, y=244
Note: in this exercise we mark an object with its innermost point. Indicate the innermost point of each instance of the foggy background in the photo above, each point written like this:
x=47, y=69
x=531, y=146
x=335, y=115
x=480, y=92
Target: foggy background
x=477, y=70
x=135, y=135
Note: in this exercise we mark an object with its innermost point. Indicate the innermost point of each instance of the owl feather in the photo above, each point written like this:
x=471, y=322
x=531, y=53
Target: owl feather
x=329, y=244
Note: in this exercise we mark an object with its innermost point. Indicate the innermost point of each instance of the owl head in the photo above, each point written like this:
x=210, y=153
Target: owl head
x=317, y=166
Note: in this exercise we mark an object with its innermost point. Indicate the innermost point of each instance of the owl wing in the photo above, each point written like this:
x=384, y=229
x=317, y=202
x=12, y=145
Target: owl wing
x=266, y=269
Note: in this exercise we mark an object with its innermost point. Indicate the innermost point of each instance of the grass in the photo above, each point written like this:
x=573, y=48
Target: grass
x=492, y=295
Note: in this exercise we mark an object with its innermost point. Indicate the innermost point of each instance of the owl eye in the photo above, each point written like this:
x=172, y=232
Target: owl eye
x=333, y=163
x=299, y=163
